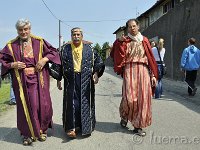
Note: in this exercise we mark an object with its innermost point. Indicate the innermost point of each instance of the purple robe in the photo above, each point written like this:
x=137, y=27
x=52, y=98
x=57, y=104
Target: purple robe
x=37, y=97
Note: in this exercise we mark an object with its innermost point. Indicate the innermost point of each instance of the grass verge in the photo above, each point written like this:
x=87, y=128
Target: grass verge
x=4, y=96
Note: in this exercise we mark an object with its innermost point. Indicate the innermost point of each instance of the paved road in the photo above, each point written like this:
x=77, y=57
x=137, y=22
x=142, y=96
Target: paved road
x=176, y=122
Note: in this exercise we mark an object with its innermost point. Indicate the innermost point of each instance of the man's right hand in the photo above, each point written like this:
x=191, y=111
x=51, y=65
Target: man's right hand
x=18, y=65
x=122, y=38
x=59, y=86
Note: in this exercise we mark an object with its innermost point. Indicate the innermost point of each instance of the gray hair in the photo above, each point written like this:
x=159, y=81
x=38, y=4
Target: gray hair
x=76, y=28
x=22, y=22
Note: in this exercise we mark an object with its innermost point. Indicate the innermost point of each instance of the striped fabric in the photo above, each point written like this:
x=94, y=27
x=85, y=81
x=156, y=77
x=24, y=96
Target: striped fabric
x=136, y=91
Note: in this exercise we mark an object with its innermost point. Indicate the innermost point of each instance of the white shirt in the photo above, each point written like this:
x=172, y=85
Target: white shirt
x=156, y=55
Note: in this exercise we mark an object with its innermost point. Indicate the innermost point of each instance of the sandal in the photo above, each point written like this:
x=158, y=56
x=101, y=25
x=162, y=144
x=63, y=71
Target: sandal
x=43, y=137
x=123, y=123
x=27, y=141
x=139, y=131
x=71, y=134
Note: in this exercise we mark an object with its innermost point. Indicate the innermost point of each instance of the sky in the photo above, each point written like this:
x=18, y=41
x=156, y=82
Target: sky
x=98, y=19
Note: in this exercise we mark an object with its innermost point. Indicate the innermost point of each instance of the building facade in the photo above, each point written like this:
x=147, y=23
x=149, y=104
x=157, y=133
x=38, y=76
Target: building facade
x=175, y=21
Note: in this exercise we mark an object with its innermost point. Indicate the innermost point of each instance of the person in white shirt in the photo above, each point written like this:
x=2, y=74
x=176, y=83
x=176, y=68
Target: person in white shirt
x=159, y=59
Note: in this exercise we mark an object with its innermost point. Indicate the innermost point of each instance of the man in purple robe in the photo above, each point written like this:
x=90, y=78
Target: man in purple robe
x=26, y=59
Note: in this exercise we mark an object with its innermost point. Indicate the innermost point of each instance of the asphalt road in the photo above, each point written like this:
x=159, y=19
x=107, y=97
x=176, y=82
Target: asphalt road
x=176, y=122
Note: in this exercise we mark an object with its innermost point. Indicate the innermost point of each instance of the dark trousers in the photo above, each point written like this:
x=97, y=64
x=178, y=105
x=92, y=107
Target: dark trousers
x=77, y=100
x=73, y=110
x=190, y=79
x=159, y=89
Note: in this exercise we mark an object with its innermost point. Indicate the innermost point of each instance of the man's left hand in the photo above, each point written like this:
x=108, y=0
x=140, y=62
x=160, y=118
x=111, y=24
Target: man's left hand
x=95, y=78
x=41, y=64
x=153, y=81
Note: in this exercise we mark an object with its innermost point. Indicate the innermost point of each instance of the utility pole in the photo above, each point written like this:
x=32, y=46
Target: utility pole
x=59, y=37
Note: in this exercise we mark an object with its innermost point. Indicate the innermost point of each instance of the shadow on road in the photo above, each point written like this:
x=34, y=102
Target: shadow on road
x=59, y=132
x=9, y=135
x=111, y=127
x=12, y=135
x=114, y=95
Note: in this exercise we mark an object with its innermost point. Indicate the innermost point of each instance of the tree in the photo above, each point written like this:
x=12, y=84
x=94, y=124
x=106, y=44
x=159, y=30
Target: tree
x=105, y=48
x=97, y=47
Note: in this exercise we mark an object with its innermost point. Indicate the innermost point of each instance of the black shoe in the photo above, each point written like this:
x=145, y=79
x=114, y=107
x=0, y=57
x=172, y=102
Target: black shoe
x=123, y=123
x=190, y=94
x=139, y=131
x=87, y=135
x=12, y=103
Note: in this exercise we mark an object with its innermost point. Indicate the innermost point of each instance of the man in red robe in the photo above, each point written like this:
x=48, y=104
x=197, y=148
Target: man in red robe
x=26, y=59
x=134, y=61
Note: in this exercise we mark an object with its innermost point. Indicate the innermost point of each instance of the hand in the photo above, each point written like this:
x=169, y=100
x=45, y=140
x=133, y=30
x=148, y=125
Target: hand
x=41, y=63
x=95, y=78
x=59, y=86
x=122, y=38
x=18, y=65
x=153, y=81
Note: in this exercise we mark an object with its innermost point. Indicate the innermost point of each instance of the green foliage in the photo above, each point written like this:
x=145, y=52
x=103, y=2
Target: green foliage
x=105, y=47
x=102, y=51
x=97, y=47
x=4, y=96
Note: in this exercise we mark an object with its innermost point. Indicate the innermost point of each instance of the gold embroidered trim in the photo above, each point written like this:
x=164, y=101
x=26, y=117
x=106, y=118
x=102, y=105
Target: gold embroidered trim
x=40, y=57
x=28, y=119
